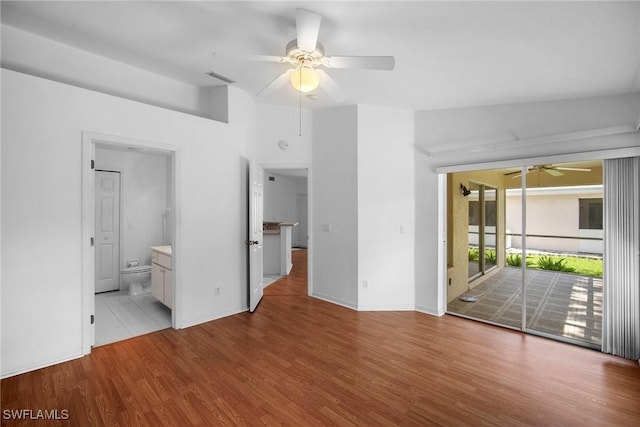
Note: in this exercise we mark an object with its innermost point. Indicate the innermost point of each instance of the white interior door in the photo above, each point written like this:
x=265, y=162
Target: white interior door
x=107, y=241
x=256, y=206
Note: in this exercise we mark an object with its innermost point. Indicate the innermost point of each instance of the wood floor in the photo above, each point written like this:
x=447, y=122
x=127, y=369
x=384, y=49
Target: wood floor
x=296, y=282
x=300, y=361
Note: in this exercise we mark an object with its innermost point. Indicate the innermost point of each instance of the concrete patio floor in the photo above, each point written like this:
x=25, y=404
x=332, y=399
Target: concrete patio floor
x=560, y=304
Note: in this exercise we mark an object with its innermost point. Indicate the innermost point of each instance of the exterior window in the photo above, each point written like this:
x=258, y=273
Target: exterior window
x=590, y=214
x=474, y=212
x=490, y=212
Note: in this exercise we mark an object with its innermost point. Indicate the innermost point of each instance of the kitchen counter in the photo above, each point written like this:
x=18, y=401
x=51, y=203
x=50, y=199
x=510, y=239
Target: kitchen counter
x=166, y=249
x=275, y=227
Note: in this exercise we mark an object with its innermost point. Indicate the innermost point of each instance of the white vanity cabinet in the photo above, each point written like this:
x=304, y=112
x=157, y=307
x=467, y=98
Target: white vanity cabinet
x=162, y=275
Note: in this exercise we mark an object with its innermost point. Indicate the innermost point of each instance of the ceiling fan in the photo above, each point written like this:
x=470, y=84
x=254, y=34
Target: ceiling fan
x=550, y=169
x=306, y=54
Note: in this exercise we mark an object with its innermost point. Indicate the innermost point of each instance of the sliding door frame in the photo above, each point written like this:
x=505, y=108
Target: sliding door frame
x=442, y=171
x=482, y=240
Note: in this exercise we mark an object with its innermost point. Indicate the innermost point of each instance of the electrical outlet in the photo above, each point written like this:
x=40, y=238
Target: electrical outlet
x=365, y=284
x=217, y=290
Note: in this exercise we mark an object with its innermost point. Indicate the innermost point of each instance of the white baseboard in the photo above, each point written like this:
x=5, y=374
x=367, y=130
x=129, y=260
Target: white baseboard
x=334, y=301
x=429, y=311
x=39, y=365
x=399, y=307
x=216, y=316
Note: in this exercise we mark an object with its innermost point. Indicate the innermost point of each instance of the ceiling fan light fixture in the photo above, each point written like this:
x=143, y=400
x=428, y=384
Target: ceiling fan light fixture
x=305, y=79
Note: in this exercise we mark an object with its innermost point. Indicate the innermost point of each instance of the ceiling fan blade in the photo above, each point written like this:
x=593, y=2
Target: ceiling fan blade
x=518, y=175
x=361, y=62
x=552, y=172
x=331, y=87
x=278, y=83
x=573, y=169
x=513, y=173
x=264, y=58
x=308, y=28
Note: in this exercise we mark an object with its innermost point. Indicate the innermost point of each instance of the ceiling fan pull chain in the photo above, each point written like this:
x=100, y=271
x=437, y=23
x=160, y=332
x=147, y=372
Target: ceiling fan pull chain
x=300, y=107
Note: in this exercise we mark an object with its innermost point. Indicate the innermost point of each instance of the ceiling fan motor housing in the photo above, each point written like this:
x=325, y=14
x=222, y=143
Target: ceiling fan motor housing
x=297, y=56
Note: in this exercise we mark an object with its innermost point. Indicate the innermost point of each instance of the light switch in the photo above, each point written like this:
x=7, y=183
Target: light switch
x=326, y=228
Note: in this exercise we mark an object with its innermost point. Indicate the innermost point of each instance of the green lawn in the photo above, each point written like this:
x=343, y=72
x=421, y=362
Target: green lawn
x=591, y=267
x=582, y=266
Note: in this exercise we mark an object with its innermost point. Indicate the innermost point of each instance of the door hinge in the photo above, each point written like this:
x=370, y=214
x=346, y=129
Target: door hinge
x=93, y=164
x=92, y=241
x=93, y=319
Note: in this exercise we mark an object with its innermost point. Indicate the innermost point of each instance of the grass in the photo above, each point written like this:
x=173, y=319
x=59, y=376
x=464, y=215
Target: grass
x=581, y=266
x=591, y=267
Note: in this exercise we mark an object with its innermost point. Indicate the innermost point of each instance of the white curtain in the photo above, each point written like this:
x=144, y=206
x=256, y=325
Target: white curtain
x=621, y=287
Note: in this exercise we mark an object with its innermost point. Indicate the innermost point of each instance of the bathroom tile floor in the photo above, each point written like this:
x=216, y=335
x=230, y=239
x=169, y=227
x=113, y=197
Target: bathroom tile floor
x=120, y=316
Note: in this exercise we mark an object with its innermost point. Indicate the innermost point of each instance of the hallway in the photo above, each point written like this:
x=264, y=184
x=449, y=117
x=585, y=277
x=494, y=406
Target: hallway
x=295, y=284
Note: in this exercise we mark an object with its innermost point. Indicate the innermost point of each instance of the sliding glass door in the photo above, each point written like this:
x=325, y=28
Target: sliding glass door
x=527, y=249
x=564, y=236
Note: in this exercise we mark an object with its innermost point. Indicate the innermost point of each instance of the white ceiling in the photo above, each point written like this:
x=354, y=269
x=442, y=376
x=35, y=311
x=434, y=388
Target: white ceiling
x=448, y=54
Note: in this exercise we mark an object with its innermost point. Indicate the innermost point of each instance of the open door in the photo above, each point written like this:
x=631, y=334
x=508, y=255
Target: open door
x=256, y=205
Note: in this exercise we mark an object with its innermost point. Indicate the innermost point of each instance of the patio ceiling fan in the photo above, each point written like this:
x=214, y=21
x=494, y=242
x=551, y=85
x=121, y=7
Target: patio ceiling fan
x=306, y=55
x=550, y=169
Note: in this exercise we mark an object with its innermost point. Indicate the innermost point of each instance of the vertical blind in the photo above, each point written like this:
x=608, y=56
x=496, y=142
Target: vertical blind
x=621, y=288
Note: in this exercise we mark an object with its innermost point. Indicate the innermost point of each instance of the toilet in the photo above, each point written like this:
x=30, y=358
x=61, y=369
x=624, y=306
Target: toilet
x=137, y=278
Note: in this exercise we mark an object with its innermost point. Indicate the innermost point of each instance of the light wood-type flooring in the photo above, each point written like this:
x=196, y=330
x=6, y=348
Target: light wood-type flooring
x=300, y=361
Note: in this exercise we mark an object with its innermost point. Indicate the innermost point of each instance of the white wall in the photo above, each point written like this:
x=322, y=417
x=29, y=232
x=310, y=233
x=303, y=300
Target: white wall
x=279, y=123
x=42, y=124
x=364, y=219
x=334, y=221
x=280, y=198
x=386, y=211
x=428, y=297
x=282, y=203
x=32, y=54
x=460, y=130
x=144, y=195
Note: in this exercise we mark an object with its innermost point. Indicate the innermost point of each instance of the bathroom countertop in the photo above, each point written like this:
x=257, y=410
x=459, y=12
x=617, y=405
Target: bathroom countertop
x=166, y=249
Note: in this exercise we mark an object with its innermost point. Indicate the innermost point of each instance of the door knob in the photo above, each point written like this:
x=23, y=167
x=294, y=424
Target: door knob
x=251, y=242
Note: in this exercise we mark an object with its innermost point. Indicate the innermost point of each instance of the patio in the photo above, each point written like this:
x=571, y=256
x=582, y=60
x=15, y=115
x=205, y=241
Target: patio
x=562, y=304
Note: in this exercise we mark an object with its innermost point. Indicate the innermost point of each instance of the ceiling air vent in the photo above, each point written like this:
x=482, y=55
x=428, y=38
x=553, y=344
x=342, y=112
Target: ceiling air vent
x=220, y=77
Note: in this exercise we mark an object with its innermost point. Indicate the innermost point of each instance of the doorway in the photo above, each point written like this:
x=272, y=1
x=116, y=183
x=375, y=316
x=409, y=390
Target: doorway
x=148, y=182
x=537, y=229
x=286, y=201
